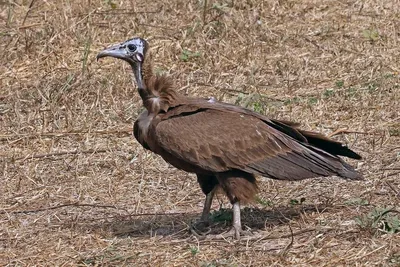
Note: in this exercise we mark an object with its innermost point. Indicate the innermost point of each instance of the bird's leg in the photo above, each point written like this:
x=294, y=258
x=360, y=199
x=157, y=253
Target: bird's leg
x=235, y=232
x=236, y=229
x=200, y=226
x=236, y=223
x=205, y=215
x=208, y=184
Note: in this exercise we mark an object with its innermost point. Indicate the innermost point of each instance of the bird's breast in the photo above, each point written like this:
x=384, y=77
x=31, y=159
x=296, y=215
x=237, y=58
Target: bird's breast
x=141, y=129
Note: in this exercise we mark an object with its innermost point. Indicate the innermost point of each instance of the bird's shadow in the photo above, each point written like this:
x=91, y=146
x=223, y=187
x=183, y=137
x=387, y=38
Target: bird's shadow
x=178, y=225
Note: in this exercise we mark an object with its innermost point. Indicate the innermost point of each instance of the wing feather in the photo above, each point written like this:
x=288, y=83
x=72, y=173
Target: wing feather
x=217, y=141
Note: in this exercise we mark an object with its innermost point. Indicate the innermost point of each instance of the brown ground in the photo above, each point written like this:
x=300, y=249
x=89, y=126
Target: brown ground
x=78, y=190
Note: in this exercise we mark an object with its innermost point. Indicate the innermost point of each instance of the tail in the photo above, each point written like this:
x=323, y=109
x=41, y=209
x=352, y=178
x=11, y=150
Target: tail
x=315, y=139
x=327, y=149
x=330, y=150
x=329, y=145
x=350, y=173
x=343, y=169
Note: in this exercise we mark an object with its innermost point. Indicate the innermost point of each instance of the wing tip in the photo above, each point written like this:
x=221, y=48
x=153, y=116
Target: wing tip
x=350, y=173
x=347, y=152
x=356, y=176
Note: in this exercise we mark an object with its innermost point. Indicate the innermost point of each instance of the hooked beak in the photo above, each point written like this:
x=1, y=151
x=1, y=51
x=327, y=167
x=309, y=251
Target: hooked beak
x=116, y=51
x=119, y=51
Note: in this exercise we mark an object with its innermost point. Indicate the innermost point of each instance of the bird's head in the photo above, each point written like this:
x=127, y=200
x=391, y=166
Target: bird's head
x=133, y=51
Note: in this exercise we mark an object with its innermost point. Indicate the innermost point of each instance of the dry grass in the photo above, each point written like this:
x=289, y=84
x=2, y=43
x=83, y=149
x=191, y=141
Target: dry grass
x=77, y=189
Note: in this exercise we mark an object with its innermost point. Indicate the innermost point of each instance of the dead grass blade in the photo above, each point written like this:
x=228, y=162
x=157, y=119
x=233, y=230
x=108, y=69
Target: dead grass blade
x=60, y=153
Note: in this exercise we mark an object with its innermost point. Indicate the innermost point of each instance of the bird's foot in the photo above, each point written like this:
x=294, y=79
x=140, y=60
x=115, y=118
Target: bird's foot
x=200, y=228
x=234, y=233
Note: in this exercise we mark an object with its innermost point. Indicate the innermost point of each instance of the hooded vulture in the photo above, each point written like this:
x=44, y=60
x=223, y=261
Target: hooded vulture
x=225, y=145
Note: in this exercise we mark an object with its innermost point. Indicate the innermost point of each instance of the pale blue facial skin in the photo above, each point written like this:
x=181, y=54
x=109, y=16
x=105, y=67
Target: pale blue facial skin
x=132, y=51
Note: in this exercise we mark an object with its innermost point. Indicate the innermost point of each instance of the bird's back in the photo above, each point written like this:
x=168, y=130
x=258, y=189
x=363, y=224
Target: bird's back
x=218, y=137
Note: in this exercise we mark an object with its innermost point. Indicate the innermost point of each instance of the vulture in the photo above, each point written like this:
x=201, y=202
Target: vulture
x=225, y=145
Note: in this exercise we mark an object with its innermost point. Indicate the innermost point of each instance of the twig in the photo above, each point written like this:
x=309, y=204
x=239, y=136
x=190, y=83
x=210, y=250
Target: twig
x=23, y=27
x=392, y=174
x=74, y=152
x=316, y=45
x=288, y=246
x=291, y=234
x=89, y=205
x=391, y=169
x=345, y=131
x=397, y=194
x=60, y=134
x=156, y=26
x=204, y=12
x=365, y=255
x=157, y=214
x=58, y=207
x=121, y=11
x=266, y=250
x=27, y=12
x=232, y=92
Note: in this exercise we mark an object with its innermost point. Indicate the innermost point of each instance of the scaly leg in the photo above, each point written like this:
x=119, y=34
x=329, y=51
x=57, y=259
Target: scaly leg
x=236, y=229
x=235, y=232
x=205, y=215
x=208, y=184
x=236, y=223
x=199, y=228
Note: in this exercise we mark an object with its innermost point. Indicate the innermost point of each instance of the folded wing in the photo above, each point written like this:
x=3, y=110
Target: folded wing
x=219, y=140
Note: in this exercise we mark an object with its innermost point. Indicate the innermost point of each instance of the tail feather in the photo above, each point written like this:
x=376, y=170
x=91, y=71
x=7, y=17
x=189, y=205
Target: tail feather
x=316, y=139
x=348, y=172
x=341, y=168
x=329, y=145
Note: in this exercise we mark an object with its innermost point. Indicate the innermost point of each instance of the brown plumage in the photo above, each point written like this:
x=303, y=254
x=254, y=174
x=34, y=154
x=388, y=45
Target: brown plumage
x=224, y=144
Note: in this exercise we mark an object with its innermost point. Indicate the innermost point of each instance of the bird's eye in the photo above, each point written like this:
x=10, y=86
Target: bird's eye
x=131, y=47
